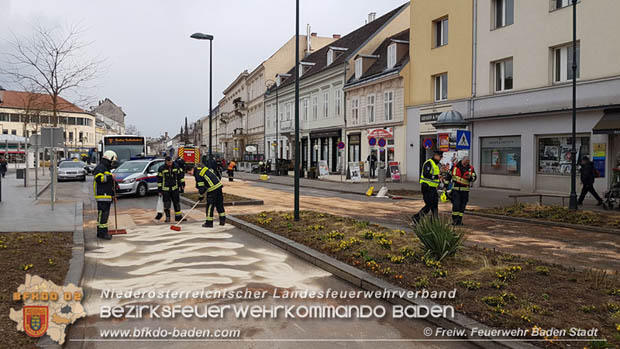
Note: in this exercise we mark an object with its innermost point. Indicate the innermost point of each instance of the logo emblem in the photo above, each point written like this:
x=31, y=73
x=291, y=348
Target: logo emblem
x=35, y=320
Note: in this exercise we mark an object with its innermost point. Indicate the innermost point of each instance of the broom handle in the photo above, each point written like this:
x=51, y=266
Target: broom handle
x=115, y=218
x=188, y=212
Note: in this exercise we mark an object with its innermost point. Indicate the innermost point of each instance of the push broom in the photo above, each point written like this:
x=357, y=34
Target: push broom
x=176, y=226
x=116, y=231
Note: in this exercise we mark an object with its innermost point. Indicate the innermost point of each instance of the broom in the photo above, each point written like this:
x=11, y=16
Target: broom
x=176, y=226
x=116, y=231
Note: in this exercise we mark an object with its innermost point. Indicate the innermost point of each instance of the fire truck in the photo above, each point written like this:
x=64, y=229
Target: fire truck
x=190, y=154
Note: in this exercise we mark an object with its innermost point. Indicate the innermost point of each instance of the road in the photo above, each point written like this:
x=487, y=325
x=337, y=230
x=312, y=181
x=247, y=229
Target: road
x=225, y=258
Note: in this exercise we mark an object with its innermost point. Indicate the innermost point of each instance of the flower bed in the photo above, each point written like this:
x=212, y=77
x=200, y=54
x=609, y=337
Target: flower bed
x=227, y=197
x=44, y=254
x=558, y=214
x=497, y=289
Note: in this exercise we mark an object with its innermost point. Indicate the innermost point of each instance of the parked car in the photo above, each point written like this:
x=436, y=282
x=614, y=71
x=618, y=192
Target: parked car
x=68, y=170
x=137, y=177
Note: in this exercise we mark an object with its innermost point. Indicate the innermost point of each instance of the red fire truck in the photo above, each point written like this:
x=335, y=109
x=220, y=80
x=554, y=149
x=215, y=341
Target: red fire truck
x=190, y=154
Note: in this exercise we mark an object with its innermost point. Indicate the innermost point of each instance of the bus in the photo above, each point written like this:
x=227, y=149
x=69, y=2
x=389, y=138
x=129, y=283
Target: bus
x=125, y=146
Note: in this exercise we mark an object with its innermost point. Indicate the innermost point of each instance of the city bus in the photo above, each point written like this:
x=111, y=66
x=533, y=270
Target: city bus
x=125, y=146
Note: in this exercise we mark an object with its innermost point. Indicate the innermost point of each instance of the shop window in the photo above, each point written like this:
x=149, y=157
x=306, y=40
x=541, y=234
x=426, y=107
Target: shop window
x=554, y=154
x=500, y=156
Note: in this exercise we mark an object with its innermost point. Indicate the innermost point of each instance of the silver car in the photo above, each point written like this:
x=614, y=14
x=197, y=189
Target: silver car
x=71, y=170
x=137, y=177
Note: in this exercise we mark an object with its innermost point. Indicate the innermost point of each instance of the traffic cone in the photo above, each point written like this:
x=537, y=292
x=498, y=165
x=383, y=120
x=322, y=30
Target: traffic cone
x=370, y=191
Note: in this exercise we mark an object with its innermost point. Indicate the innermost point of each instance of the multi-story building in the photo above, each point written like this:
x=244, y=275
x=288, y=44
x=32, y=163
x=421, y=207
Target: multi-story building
x=441, y=72
x=522, y=109
x=323, y=75
x=25, y=113
x=376, y=103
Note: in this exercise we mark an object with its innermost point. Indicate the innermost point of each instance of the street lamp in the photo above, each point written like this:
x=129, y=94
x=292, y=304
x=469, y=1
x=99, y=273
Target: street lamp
x=201, y=36
x=573, y=171
x=270, y=83
x=297, y=150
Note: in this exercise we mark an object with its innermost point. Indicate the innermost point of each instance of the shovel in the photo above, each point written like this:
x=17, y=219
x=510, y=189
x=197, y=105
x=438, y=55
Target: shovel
x=177, y=227
x=116, y=231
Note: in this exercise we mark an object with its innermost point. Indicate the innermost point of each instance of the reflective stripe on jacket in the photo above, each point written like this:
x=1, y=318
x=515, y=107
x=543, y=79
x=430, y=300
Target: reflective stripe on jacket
x=170, y=178
x=434, y=180
x=103, y=182
x=462, y=176
x=206, y=180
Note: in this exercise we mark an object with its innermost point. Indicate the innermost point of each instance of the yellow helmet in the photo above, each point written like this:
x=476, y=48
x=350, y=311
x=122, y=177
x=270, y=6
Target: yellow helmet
x=443, y=197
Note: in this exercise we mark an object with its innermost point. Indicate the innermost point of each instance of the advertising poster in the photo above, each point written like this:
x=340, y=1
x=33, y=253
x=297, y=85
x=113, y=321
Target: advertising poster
x=599, y=152
x=443, y=139
x=395, y=171
x=323, y=168
x=354, y=171
x=511, y=162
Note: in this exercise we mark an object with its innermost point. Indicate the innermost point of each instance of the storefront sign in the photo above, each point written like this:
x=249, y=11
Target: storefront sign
x=355, y=172
x=443, y=139
x=427, y=143
x=598, y=155
x=395, y=171
x=380, y=133
x=250, y=148
x=323, y=168
x=429, y=117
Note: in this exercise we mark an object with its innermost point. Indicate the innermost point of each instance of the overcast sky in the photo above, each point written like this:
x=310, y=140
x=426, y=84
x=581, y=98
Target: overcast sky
x=154, y=71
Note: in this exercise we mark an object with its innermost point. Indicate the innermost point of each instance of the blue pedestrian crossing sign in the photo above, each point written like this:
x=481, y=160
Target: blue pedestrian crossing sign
x=463, y=139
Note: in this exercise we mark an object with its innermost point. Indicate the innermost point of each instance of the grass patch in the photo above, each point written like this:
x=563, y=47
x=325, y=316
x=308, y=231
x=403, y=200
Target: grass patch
x=44, y=254
x=227, y=197
x=404, y=192
x=557, y=214
x=497, y=289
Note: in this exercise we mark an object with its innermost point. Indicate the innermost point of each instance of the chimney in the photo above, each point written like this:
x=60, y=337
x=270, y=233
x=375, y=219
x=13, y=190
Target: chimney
x=372, y=16
x=166, y=135
x=336, y=36
x=308, y=40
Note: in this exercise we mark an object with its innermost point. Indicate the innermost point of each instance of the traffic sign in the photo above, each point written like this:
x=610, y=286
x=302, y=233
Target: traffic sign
x=341, y=145
x=382, y=142
x=372, y=141
x=463, y=139
x=427, y=143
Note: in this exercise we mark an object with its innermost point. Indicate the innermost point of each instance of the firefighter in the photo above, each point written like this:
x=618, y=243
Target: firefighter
x=429, y=181
x=181, y=164
x=170, y=179
x=463, y=175
x=104, y=192
x=208, y=182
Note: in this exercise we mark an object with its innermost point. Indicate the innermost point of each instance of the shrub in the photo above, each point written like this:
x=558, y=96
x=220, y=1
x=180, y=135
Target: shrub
x=470, y=285
x=385, y=243
x=438, y=237
x=421, y=282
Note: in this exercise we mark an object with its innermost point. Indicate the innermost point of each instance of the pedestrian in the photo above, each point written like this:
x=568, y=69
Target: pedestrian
x=463, y=176
x=429, y=181
x=3, y=166
x=215, y=166
x=588, y=173
x=170, y=180
x=232, y=166
x=372, y=164
x=208, y=183
x=104, y=183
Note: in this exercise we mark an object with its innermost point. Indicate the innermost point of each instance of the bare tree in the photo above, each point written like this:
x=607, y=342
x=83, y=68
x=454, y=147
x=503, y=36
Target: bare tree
x=132, y=130
x=52, y=60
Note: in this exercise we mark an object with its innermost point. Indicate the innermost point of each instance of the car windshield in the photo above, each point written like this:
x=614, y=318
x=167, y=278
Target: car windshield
x=72, y=164
x=131, y=167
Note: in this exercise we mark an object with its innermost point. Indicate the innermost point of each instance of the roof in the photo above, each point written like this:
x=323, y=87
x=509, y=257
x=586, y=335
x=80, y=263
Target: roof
x=351, y=42
x=379, y=67
x=35, y=101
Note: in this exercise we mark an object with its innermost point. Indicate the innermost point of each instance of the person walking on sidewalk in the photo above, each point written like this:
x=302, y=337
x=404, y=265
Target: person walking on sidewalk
x=208, y=183
x=3, y=166
x=429, y=180
x=588, y=174
x=170, y=180
x=372, y=165
x=463, y=175
x=232, y=166
x=104, y=192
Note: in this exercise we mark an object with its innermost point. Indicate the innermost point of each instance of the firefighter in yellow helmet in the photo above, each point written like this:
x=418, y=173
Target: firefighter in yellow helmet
x=104, y=192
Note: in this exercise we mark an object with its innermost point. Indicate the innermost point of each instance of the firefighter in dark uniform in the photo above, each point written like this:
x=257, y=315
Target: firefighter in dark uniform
x=463, y=175
x=181, y=164
x=103, y=185
x=170, y=180
x=207, y=182
x=429, y=180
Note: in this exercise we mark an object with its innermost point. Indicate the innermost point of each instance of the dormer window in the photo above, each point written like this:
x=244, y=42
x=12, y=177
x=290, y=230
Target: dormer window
x=304, y=67
x=330, y=57
x=280, y=78
x=391, y=56
x=333, y=53
x=358, y=68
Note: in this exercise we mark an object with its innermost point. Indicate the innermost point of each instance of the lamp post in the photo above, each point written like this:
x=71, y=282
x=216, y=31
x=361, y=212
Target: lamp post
x=297, y=150
x=201, y=36
x=270, y=83
x=573, y=171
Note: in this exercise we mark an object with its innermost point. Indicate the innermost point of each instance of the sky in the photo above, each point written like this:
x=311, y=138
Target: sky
x=153, y=70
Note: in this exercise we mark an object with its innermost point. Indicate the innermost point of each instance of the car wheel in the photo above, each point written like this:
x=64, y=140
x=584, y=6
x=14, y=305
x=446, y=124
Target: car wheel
x=142, y=190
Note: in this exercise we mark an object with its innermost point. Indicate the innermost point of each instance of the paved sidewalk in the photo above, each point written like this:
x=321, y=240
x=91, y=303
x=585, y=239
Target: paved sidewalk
x=21, y=212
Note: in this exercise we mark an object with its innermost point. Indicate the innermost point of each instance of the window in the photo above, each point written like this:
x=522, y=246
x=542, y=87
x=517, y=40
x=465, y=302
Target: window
x=370, y=108
x=391, y=58
x=500, y=156
x=441, y=87
x=70, y=136
x=562, y=3
x=504, y=13
x=5, y=132
x=326, y=104
x=563, y=63
x=4, y=117
x=315, y=107
x=503, y=75
x=554, y=153
x=330, y=56
x=338, y=94
x=441, y=32
x=355, y=113
x=81, y=137
x=305, y=109
x=14, y=132
x=14, y=117
x=388, y=105
x=358, y=68
x=288, y=111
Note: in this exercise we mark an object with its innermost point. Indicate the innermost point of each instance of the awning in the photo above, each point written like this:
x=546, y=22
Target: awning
x=609, y=123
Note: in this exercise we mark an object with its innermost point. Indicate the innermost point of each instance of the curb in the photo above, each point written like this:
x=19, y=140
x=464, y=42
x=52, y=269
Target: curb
x=305, y=186
x=45, y=187
x=368, y=282
x=548, y=223
x=76, y=264
x=190, y=203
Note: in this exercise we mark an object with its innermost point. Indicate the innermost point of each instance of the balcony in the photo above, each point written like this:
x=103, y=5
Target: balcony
x=286, y=125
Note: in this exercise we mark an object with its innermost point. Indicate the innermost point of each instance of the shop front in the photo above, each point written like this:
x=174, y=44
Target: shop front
x=324, y=147
x=388, y=148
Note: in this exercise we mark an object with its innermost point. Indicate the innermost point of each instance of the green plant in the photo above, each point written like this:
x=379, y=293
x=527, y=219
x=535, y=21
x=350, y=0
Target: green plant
x=421, y=282
x=440, y=273
x=545, y=296
x=385, y=243
x=614, y=292
x=588, y=308
x=493, y=301
x=361, y=224
x=470, y=285
x=498, y=284
x=508, y=273
x=438, y=237
x=542, y=270
x=599, y=344
x=407, y=252
x=397, y=259
x=346, y=244
x=331, y=236
x=598, y=278
x=369, y=235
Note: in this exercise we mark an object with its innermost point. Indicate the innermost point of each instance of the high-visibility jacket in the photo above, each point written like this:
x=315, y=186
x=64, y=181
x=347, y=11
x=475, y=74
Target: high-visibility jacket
x=170, y=178
x=206, y=180
x=232, y=165
x=430, y=173
x=462, y=176
x=103, y=182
